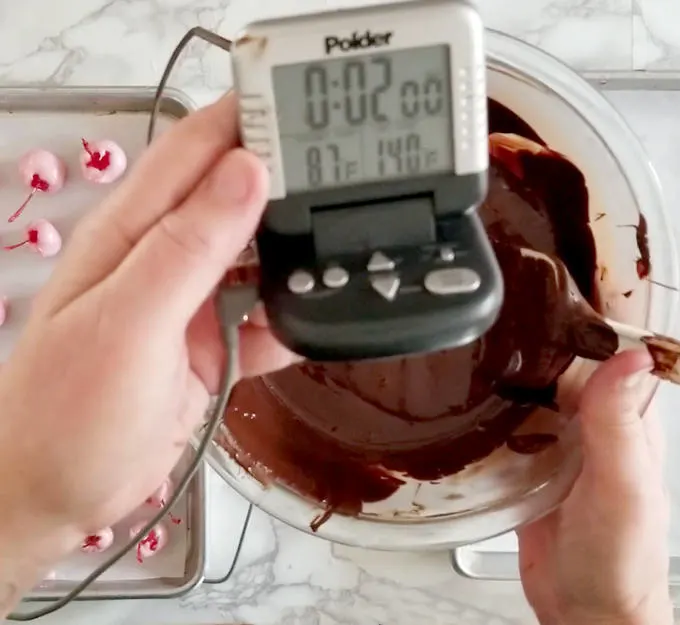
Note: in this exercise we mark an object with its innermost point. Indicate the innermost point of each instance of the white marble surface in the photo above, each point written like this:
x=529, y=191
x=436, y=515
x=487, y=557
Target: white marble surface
x=285, y=577
x=657, y=36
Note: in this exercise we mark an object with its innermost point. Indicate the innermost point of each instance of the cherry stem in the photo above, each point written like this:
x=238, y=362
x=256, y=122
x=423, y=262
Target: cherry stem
x=17, y=245
x=87, y=148
x=20, y=210
x=173, y=518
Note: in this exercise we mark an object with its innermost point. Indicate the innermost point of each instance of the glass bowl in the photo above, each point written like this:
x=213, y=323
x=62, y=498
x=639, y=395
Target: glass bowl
x=506, y=490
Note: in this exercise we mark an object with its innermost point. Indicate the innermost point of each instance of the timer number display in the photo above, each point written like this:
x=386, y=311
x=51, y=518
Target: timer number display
x=365, y=118
x=358, y=104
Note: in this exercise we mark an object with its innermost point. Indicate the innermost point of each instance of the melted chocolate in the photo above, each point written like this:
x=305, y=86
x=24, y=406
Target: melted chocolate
x=573, y=327
x=502, y=119
x=665, y=352
x=337, y=433
x=528, y=444
x=643, y=263
x=644, y=266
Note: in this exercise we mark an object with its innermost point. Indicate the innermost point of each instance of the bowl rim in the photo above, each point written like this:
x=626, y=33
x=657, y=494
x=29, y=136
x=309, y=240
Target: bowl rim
x=450, y=531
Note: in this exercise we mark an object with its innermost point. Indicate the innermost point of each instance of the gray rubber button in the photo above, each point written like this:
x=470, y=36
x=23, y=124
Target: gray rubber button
x=335, y=277
x=301, y=282
x=380, y=262
x=386, y=285
x=453, y=281
x=447, y=255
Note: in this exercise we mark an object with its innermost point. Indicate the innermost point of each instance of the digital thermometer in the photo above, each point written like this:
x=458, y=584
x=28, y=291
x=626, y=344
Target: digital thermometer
x=373, y=125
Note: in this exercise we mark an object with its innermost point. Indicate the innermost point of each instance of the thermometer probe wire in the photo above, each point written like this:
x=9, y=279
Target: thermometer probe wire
x=197, y=32
x=229, y=311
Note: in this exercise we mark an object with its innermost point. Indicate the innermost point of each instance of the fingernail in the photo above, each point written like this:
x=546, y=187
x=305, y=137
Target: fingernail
x=631, y=396
x=635, y=381
x=234, y=177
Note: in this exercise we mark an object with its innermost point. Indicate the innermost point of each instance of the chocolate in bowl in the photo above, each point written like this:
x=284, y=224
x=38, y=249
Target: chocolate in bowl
x=340, y=433
x=529, y=476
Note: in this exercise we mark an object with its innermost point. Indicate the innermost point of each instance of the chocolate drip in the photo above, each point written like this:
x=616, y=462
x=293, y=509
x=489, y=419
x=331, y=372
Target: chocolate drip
x=644, y=265
x=666, y=355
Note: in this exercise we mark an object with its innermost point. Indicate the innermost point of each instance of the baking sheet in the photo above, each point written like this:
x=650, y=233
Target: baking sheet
x=650, y=102
x=226, y=516
x=169, y=563
x=57, y=119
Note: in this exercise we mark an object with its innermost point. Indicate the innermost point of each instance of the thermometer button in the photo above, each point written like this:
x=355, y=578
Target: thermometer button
x=453, y=281
x=386, y=285
x=447, y=254
x=301, y=282
x=335, y=277
x=380, y=262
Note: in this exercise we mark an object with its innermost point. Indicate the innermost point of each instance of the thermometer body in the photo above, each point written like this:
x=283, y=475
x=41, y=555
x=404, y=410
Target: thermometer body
x=373, y=125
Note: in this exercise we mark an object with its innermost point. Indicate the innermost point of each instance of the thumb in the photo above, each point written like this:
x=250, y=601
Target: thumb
x=178, y=262
x=613, y=436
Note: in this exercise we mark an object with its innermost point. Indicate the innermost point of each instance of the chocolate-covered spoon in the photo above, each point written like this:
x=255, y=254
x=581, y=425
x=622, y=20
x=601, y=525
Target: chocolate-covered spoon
x=575, y=325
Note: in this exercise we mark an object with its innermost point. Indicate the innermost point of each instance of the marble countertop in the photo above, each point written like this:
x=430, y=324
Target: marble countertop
x=283, y=576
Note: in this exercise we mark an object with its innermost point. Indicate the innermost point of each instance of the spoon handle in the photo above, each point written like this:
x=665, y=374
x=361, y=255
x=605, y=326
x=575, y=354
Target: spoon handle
x=664, y=350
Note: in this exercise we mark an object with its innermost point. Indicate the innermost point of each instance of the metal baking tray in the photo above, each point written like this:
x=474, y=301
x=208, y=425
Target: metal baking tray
x=649, y=101
x=163, y=586
x=56, y=118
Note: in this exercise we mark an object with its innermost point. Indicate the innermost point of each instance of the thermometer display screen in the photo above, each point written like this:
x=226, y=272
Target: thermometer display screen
x=365, y=118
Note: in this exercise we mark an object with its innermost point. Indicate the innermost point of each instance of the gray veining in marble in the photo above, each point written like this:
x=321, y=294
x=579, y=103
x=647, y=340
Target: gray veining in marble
x=128, y=41
x=657, y=35
x=332, y=584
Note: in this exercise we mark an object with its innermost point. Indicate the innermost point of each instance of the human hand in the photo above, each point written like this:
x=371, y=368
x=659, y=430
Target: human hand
x=121, y=352
x=602, y=557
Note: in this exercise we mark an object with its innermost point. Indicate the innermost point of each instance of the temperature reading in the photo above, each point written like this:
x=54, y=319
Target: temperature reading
x=365, y=118
x=325, y=165
x=404, y=155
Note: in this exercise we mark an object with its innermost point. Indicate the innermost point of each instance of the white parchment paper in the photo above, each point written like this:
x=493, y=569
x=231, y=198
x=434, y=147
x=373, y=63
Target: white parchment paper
x=23, y=272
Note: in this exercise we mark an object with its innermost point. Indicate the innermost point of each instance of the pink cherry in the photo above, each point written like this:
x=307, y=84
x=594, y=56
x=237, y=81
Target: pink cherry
x=160, y=497
x=99, y=542
x=152, y=543
x=42, y=236
x=41, y=171
x=102, y=162
x=49, y=168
